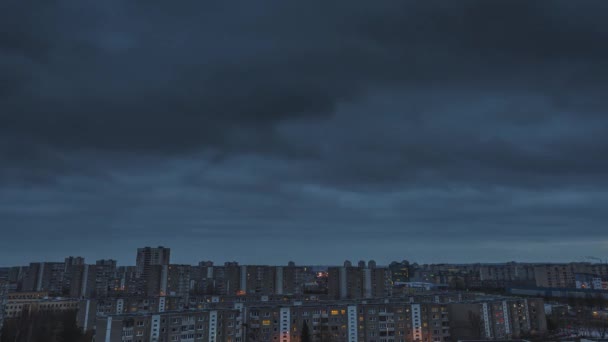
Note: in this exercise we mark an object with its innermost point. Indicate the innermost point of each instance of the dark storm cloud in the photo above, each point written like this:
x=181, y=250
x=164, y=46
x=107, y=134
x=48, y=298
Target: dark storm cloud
x=461, y=121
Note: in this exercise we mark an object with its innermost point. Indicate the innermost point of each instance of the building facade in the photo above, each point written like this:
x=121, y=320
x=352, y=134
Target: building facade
x=201, y=325
x=150, y=256
x=45, y=276
x=16, y=307
x=497, y=318
x=3, y=300
x=353, y=282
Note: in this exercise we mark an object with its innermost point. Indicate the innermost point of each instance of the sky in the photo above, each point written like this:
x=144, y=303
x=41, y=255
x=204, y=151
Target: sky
x=312, y=131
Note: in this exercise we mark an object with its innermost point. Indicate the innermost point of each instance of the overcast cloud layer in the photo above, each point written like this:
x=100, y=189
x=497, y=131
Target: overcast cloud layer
x=313, y=131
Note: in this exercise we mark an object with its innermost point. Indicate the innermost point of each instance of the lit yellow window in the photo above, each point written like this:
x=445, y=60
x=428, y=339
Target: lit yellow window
x=334, y=312
x=266, y=322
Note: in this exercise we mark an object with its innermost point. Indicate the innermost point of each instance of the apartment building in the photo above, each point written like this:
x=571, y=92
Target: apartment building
x=3, y=300
x=154, y=281
x=150, y=256
x=565, y=275
x=348, y=321
x=178, y=281
x=497, y=318
x=198, y=326
x=130, y=304
x=16, y=276
x=15, y=307
x=217, y=280
x=285, y=322
x=256, y=279
x=350, y=282
x=400, y=271
x=70, y=263
x=45, y=276
x=92, y=281
x=72, y=278
x=292, y=279
x=105, y=277
x=504, y=275
x=27, y=295
x=82, y=281
x=555, y=275
x=126, y=281
x=403, y=322
x=431, y=317
x=152, y=267
x=233, y=278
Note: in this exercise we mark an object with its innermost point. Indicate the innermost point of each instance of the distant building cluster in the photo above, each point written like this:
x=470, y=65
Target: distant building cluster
x=3, y=300
x=157, y=301
x=581, y=275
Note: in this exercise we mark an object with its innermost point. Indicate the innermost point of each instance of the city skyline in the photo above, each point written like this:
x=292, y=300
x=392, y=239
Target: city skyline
x=131, y=259
x=431, y=131
x=357, y=301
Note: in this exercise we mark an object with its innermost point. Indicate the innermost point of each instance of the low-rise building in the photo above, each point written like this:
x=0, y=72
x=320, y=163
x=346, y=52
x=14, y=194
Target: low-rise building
x=35, y=295
x=16, y=307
